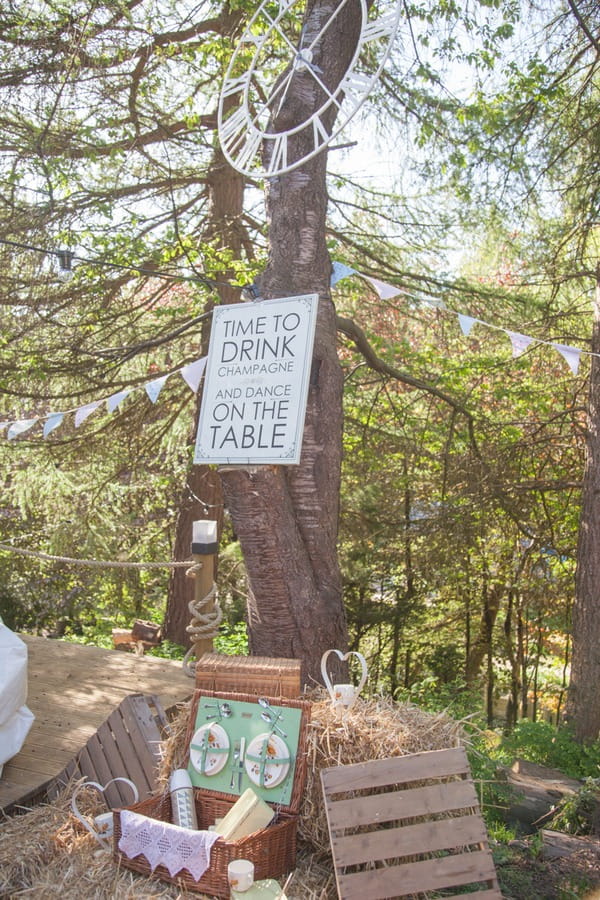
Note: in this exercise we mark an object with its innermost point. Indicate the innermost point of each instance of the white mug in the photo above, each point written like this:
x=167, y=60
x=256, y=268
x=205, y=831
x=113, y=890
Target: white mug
x=240, y=874
x=344, y=694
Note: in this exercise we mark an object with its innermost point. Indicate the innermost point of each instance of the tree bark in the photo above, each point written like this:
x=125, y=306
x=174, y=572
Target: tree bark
x=583, y=702
x=286, y=518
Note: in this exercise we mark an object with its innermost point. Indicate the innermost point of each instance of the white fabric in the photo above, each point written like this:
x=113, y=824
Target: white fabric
x=15, y=717
x=164, y=844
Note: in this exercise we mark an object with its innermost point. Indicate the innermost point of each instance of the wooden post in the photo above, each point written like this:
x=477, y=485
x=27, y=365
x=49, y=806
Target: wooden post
x=204, y=550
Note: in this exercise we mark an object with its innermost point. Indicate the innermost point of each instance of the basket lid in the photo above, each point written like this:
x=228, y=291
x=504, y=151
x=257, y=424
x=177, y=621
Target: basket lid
x=235, y=741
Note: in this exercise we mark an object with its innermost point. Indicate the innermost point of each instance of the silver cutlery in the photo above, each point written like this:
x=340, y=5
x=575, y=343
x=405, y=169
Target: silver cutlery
x=234, y=765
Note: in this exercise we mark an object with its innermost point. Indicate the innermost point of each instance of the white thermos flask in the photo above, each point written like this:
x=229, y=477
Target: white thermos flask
x=182, y=799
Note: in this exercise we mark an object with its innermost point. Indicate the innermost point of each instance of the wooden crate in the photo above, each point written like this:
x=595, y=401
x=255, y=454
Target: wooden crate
x=126, y=745
x=272, y=849
x=408, y=825
x=274, y=677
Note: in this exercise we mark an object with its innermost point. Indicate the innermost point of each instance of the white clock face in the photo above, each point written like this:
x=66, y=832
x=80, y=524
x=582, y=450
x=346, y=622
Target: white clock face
x=274, y=54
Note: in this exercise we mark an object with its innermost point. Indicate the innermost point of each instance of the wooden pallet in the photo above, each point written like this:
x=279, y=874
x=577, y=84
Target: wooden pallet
x=126, y=745
x=407, y=825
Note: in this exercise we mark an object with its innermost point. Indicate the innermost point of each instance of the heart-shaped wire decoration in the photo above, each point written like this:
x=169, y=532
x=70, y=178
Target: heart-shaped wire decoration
x=104, y=840
x=347, y=697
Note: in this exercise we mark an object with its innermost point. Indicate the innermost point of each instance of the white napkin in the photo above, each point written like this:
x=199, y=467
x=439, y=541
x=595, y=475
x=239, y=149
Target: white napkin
x=165, y=844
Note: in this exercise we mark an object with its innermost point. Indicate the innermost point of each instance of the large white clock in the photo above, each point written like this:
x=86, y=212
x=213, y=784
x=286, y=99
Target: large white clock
x=275, y=49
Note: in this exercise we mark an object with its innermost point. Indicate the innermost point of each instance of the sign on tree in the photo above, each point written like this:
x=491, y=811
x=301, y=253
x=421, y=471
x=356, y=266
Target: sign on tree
x=256, y=382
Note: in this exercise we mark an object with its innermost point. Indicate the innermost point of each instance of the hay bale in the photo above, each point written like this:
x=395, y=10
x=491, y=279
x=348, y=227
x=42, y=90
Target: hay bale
x=373, y=729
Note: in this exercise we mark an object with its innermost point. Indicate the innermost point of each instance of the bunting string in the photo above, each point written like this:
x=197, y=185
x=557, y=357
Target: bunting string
x=193, y=372
x=519, y=342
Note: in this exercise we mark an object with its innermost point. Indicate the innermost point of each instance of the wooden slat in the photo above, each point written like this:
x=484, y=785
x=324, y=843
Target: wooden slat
x=122, y=762
x=122, y=756
x=95, y=768
x=146, y=739
x=427, y=875
x=410, y=840
x=389, y=806
x=395, y=770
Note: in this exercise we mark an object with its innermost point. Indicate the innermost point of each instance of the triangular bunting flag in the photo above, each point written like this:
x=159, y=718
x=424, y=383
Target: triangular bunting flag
x=52, y=422
x=193, y=373
x=384, y=290
x=153, y=388
x=466, y=323
x=84, y=411
x=339, y=271
x=520, y=342
x=116, y=399
x=20, y=427
x=571, y=355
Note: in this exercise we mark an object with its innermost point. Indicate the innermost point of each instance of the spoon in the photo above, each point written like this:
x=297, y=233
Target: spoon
x=224, y=711
x=273, y=723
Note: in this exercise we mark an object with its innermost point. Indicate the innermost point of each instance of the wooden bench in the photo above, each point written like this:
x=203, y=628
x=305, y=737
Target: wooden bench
x=407, y=825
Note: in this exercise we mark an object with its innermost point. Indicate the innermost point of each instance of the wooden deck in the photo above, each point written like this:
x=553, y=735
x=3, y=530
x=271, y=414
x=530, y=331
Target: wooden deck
x=72, y=689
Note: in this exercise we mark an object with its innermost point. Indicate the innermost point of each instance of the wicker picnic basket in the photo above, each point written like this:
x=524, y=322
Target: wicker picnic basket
x=275, y=677
x=272, y=849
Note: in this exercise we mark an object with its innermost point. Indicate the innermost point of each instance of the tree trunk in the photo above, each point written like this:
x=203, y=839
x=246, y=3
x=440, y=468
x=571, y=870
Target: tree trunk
x=286, y=517
x=491, y=597
x=583, y=702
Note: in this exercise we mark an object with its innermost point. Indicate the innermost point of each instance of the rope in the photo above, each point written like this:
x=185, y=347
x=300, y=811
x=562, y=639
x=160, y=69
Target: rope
x=205, y=622
x=107, y=564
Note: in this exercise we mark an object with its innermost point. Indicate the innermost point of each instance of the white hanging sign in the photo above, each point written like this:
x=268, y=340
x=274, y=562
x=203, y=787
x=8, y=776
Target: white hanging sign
x=256, y=383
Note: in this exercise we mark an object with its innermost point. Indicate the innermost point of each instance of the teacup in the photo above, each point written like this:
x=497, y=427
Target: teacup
x=240, y=875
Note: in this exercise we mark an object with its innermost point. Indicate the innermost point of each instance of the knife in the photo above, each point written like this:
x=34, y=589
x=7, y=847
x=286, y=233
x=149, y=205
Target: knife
x=234, y=765
x=241, y=754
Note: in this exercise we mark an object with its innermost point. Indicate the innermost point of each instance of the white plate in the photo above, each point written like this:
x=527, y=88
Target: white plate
x=275, y=772
x=215, y=738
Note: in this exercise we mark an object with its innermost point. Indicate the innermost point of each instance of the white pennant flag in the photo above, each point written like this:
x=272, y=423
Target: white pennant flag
x=193, y=373
x=116, y=399
x=466, y=323
x=20, y=427
x=571, y=355
x=52, y=422
x=153, y=388
x=520, y=342
x=339, y=271
x=384, y=290
x=84, y=411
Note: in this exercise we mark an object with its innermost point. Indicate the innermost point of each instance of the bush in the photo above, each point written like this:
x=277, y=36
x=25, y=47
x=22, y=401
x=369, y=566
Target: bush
x=542, y=743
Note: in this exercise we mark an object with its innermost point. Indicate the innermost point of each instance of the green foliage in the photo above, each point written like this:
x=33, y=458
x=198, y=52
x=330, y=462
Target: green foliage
x=454, y=697
x=232, y=640
x=542, y=743
x=578, y=814
x=167, y=650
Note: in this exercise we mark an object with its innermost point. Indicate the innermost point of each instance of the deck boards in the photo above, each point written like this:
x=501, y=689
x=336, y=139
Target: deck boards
x=72, y=689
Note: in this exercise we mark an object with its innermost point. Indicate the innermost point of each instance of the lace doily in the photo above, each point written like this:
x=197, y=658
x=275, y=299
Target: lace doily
x=164, y=844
